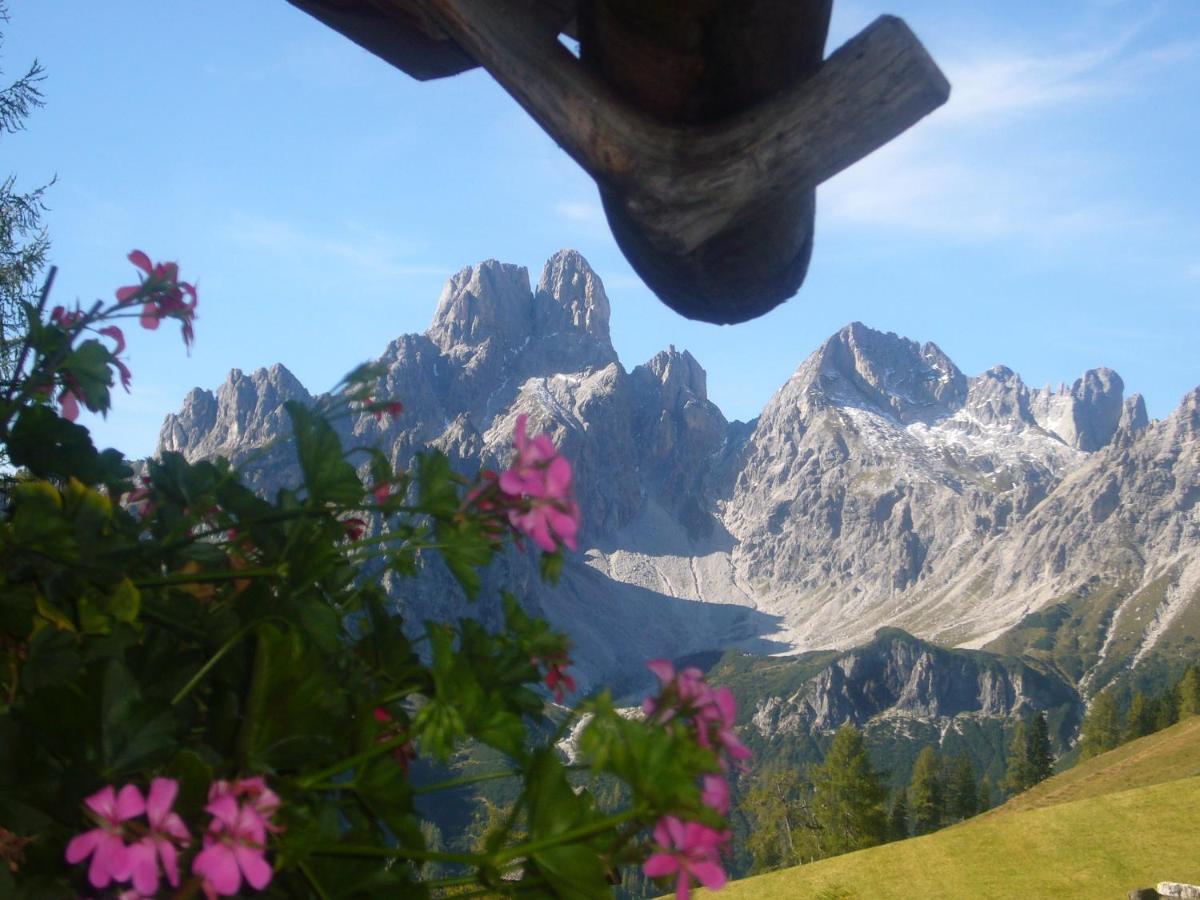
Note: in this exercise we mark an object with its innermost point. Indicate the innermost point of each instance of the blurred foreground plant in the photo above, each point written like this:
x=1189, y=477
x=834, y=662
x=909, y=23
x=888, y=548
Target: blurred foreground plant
x=202, y=691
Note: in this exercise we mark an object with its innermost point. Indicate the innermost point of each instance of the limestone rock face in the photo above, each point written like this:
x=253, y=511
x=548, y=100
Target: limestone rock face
x=897, y=675
x=246, y=411
x=880, y=486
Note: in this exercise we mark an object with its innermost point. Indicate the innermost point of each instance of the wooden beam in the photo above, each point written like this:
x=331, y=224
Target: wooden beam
x=713, y=204
x=686, y=183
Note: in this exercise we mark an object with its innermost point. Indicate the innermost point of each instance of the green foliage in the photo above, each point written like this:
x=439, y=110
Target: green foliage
x=1039, y=756
x=962, y=798
x=898, y=818
x=1189, y=693
x=1139, y=720
x=983, y=801
x=775, y=804
x=848, y=797
x=23, y=241
x=926, y=793
x=1017, y=774
x=194, y=630
x=1102, y=729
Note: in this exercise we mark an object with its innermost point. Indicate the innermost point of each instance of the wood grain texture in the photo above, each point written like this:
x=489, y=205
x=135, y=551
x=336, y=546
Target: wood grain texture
x=706, y=124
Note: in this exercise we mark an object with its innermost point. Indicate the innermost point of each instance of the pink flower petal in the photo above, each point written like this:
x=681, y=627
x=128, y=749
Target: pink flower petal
x=677, y=832
x=103, y=802
x=662, y=668
x=110, y=861
x=69, y=406
x=142, y=261
x=160, y=799
x=117, y=335
x=149, y=318
x=218, y=866
x=130, y=803
x=129, y=293
x=224, y=809
x=558, y=478
x=83, y=845
x=254, y=866
x=716, y=794
x=170, y=860
x=710, y=874
x=660, y=864
x=143, y=866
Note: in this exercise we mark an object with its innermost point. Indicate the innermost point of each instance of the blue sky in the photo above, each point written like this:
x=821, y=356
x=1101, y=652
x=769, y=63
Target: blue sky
x=1047, y=218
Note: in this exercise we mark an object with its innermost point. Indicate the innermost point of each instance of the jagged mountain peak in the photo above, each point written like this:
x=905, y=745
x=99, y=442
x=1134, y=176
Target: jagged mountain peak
x=678, y=373
x=577, y=298
x=490, y=300
x=881, y=371
x=491, y=308
x=246, y=411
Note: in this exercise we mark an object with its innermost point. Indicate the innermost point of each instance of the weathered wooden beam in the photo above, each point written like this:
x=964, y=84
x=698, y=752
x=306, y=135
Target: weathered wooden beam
x=397, y=37
x=694, y=207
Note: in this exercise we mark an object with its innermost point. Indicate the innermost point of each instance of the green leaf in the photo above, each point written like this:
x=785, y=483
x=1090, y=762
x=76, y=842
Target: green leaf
x=51, y=447
x=328, y=477
x=297, y=712
x=88, y=366
x=573, y=870
x=135, y=732
x=53, y=659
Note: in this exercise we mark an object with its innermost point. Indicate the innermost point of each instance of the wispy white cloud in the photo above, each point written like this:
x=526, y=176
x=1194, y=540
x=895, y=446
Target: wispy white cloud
x=364, y=249
x=583, y=212
x=979, y=169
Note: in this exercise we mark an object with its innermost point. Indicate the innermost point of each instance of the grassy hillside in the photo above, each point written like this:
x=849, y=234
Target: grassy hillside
x=1116, y=822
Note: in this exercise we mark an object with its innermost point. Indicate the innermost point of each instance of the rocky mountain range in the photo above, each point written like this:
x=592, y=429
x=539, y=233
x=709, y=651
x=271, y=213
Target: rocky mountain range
x=879, y=487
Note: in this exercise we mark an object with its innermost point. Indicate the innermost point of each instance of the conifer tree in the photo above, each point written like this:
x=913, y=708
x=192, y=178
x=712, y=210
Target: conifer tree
x=1166, y=708
x=23, y=241
x=962, y=800
x=774, y=804
x=848, y=796
x=1039, y=756
x=1140, y=720
x=898, y=818
x=1101, y=730
x=1017, y=776
x=926, y=794
x=984, y=800
x=1189, y=693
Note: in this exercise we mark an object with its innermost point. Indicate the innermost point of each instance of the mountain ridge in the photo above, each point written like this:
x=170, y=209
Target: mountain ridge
x=879, y=486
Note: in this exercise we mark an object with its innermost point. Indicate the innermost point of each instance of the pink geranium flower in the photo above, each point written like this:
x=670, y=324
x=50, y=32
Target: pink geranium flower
x=716, y=794
x=105, y=844
x=540, y=480
x=162, y=295
x=234, y=848
x=117, y=335
x=689, y=850
x=167, y=833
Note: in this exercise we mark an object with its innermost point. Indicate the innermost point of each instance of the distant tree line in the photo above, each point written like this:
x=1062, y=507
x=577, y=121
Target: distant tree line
x=1106, y=726
x=798, y=815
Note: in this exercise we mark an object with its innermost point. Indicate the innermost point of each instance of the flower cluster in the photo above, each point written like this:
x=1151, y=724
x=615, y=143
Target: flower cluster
x=157, y=841
x=534, y=494
x=235, y=843
x=692, y=849
x=161, y=294
x=123, y=848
